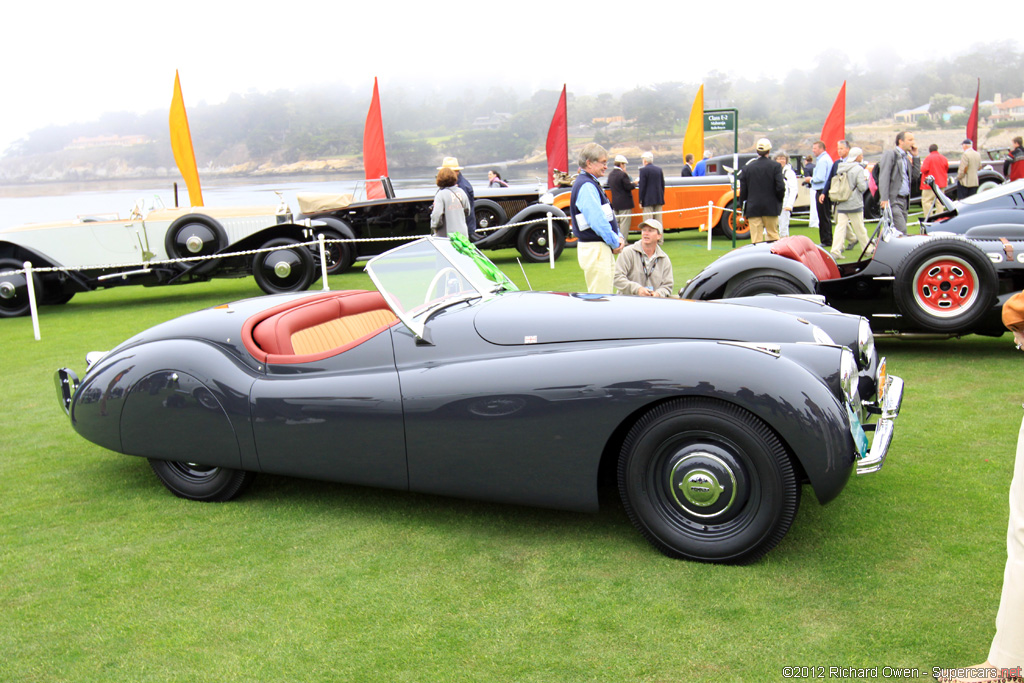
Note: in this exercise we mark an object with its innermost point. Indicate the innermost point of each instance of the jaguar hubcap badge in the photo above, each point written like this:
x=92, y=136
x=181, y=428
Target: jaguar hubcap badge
x=703, y=485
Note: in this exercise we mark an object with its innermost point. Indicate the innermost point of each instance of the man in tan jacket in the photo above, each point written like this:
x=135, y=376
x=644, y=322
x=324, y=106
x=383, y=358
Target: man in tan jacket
x=967, y=174
x=643, y=268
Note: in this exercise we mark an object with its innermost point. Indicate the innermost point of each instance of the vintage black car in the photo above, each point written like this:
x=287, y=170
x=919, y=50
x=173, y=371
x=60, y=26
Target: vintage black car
x=995, y=213
x=505, y=218
x=447, y=380
x=945, y=285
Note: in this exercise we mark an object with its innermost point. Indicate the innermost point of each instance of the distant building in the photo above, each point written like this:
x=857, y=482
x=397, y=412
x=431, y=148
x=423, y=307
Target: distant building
x=1010, y=110
x=109, y=141
x=912, y=115
x=493, y=122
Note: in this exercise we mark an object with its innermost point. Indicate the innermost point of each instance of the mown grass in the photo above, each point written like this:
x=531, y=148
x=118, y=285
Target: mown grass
x=106, y=576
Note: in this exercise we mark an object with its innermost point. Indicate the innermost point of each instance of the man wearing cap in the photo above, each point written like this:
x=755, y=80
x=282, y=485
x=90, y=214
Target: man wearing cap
x=762, y=190
x=593, y=221
x=643, y=268
x=651, y=187
x=967, y=173
x=453, y=163
x=621, y=186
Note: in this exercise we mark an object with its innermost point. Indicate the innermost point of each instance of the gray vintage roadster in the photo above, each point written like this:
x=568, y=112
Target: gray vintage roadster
x=447, y=380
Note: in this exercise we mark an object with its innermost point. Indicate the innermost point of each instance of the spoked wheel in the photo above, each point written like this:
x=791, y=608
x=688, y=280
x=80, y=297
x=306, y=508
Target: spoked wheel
x=488, y=215
x=945, y=285
x=340, y=256
x=734, y=222
x=200, y=482
x=288, y=269
x=14, y=299
x=706, y=480
x=532, y=242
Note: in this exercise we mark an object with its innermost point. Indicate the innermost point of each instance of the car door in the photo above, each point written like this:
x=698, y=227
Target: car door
x=335, y=419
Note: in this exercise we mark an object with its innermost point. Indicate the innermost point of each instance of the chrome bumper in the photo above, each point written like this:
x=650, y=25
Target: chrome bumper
x=65, y=381
x=872, y=462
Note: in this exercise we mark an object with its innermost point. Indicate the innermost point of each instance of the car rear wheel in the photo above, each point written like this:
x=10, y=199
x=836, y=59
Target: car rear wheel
x=288, y=269
x=340, y=256
x=706, y=480
x=764, y=284
x=199, y=482
x=945, y=285
x=733, y=222
x=533, y=244
x=14, y=300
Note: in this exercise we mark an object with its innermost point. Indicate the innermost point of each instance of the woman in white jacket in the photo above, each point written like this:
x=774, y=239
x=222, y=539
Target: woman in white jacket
x=451, y=206
x=789, y=180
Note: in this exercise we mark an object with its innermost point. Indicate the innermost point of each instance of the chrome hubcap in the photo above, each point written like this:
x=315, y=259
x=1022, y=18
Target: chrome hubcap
x=7, y=290
x=282, y=269
x=703, y=484
x=194, y=244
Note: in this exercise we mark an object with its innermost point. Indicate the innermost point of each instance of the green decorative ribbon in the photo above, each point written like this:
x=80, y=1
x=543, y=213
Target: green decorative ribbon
x=490, y=271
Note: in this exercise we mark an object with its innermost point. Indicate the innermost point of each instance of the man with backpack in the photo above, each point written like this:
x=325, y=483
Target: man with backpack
x=846, y=192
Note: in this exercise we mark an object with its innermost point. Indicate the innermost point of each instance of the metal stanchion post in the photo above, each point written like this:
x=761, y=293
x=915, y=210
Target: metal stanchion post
x=711, y=205
x=30, y=285
x=551, y=243
x=323, y=261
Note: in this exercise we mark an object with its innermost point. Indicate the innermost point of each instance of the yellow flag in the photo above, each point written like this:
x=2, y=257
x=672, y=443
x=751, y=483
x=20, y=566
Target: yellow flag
x=181, y=145
x=693, y=141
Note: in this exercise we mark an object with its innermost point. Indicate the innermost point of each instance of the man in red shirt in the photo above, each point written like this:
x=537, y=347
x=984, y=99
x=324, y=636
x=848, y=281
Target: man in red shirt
x=937, y=166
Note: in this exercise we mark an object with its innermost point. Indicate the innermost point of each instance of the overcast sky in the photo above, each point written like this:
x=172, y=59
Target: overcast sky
x=66, y=63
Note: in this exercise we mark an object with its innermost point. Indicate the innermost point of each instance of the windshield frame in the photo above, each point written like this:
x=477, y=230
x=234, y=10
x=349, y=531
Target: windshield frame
x=413, y=270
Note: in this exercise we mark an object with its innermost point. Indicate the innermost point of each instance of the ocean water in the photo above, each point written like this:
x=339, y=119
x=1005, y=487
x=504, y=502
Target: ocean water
x=52, y=202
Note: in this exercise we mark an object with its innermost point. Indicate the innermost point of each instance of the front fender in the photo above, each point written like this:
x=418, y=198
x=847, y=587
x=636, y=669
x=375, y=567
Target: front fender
x=749, y=261
x=173, y=399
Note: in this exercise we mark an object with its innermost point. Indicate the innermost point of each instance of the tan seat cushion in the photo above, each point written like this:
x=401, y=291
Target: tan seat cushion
x=336, y=333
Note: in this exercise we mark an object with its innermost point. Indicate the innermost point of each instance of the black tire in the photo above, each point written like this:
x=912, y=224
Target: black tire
x=14, y=300
x=764, y=284
x=733, y=222
x=945, y=285
x=532, y=241
x=706, y=480
x=194, y=235
x=872, y=211
x=340, y=256
x=288, y=269
x=199, y=482
x=487, y=214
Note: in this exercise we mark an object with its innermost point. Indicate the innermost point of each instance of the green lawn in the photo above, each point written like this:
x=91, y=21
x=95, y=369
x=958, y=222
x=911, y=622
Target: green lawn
x=105, y=576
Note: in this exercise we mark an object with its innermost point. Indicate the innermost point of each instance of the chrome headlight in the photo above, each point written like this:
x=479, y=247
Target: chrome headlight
x=865, y=343
x=547, y=198
x=848, y=375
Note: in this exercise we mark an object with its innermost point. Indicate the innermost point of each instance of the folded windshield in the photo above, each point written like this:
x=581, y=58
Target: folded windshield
x=422, y=276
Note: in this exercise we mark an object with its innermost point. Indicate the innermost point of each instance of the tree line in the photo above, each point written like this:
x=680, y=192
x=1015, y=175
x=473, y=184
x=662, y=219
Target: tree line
x=421, y=124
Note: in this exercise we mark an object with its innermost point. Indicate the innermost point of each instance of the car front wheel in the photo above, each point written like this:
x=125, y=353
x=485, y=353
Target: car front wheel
x=706, y=480
x=199, y=482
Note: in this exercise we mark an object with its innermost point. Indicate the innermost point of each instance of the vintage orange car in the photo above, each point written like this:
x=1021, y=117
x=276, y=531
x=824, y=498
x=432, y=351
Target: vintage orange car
x=691, y=194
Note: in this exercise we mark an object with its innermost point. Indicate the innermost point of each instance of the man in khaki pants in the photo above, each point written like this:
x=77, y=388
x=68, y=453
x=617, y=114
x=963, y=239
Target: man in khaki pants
x=967, y=174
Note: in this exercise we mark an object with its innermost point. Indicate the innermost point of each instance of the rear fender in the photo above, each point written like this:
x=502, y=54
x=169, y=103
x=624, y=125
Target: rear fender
x=713, y=281
x=532, y=212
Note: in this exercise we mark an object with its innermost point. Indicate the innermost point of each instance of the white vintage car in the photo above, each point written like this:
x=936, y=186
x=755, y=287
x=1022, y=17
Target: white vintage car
x=155, y=246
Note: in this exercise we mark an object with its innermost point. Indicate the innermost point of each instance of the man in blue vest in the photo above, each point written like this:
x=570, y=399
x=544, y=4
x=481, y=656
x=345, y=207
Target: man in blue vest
x=593, y=222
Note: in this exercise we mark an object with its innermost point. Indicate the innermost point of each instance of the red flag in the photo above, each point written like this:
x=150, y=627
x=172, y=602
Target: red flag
x=375, y=157
x=835, y=125
x=972, y=120
x=558, y=141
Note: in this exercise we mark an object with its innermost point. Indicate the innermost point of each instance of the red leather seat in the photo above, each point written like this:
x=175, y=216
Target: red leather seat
x=801, y=248
x=270, y=335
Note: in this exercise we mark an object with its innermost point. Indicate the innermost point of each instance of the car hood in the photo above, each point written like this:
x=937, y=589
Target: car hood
x=545, y=318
